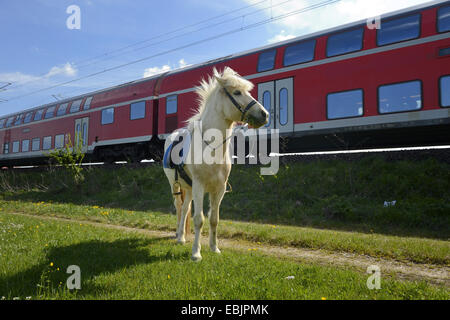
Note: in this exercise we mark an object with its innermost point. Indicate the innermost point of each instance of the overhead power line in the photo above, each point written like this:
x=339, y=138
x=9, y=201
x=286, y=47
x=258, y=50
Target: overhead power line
x=217, y=36
x=2, y=88
x=107, y=55
x=209, y=26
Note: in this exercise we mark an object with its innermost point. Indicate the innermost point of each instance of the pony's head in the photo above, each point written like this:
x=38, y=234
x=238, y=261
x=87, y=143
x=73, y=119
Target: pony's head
x=238, y=104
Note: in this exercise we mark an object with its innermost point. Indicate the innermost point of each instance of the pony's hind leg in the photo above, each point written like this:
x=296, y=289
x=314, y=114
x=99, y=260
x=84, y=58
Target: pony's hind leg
x=184, y=225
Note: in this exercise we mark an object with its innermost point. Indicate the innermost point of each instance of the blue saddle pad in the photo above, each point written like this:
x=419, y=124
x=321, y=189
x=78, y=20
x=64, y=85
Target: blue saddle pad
x=183, y=152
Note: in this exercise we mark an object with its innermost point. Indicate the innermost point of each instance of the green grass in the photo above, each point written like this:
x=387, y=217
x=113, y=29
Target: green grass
x=333, y=205
x=324, y=194
x=419, y=250
x=115, y=264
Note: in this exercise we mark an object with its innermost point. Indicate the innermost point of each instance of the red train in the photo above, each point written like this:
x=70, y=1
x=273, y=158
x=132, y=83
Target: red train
x=349, y=87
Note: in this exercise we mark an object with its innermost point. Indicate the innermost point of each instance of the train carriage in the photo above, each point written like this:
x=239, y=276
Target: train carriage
x=354, y=86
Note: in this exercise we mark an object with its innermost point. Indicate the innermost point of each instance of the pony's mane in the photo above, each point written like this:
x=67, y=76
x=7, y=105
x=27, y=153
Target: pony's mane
x=228, y=79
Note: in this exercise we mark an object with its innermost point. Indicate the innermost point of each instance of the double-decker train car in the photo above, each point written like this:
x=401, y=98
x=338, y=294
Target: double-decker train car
x=350, y=87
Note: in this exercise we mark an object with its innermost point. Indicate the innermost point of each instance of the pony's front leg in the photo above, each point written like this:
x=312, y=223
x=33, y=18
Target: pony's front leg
x=198, y=193
x=185, y=211
x=215, y=200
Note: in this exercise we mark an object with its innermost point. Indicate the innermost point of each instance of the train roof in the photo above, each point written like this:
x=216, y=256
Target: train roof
x=308, y=36
x=317, y=34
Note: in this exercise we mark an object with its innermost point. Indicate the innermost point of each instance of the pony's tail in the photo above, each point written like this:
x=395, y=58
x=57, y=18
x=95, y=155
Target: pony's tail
x=179, y=196
x=176, y=189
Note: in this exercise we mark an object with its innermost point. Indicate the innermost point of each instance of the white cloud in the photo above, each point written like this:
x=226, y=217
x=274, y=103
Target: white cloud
x=17, y=77
x=22, y=78
x=281, y=37
x=183, y=63
x=66, y=70
x=157, y=70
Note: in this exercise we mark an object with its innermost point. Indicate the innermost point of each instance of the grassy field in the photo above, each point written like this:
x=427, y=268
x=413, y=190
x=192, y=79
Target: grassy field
x=325, y=194
x=115, y=264
x=331, y=206
x=304, y=205
x=413, y=249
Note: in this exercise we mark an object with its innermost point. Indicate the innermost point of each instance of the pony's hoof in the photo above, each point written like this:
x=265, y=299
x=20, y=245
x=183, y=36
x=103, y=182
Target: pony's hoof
x=181, y=241
x=196, y=258
x=215, y=250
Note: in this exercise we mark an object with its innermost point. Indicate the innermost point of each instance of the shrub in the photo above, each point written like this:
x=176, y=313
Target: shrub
x=70, y=158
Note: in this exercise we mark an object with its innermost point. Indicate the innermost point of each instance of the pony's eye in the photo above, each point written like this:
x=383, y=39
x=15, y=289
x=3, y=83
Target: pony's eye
x=237, y=93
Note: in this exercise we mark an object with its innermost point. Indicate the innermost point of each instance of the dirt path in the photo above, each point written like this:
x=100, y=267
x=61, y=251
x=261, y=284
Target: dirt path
x=435, y=274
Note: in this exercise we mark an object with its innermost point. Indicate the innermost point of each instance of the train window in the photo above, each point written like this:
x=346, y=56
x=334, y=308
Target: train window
x=108, y=116
x=445, y=91
x=267, y=103
x=19, y=119
x=78, y=134
x=299, y=53
x=345, y=104
x=87, y=103
x=50, y=112
x=25, y=145
x=283, y=106
x=47, y=143
x=266, y=60
x=345, y=42
x=62, y=109
x=38, y=115
x=2, y=123
x=401, y=29
x=75, y=107
x=137, y=110
x=59, y=141
x=6, y=148
x=15, y=146
x=10, y=122
x=444, y=52
x=28, y=117
x=400, y=97
x=85, y=137
x=171, y=104
x=35, y=144
x=444, y=19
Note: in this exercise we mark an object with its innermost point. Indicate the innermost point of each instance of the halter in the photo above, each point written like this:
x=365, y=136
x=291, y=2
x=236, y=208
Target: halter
x=238, y=106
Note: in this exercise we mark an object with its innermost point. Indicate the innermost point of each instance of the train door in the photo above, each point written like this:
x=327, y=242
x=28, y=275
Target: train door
x=278, y=99
x=81, y=133
x=6, y=142
x=266, y=98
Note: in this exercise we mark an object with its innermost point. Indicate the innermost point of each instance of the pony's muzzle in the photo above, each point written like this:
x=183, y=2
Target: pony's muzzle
x=258, y=117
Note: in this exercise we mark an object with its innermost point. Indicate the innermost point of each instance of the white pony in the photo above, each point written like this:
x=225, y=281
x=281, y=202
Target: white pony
x=224, y=100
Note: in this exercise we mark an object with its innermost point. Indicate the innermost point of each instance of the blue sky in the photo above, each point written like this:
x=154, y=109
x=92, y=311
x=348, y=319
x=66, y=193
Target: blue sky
x=39, y=51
